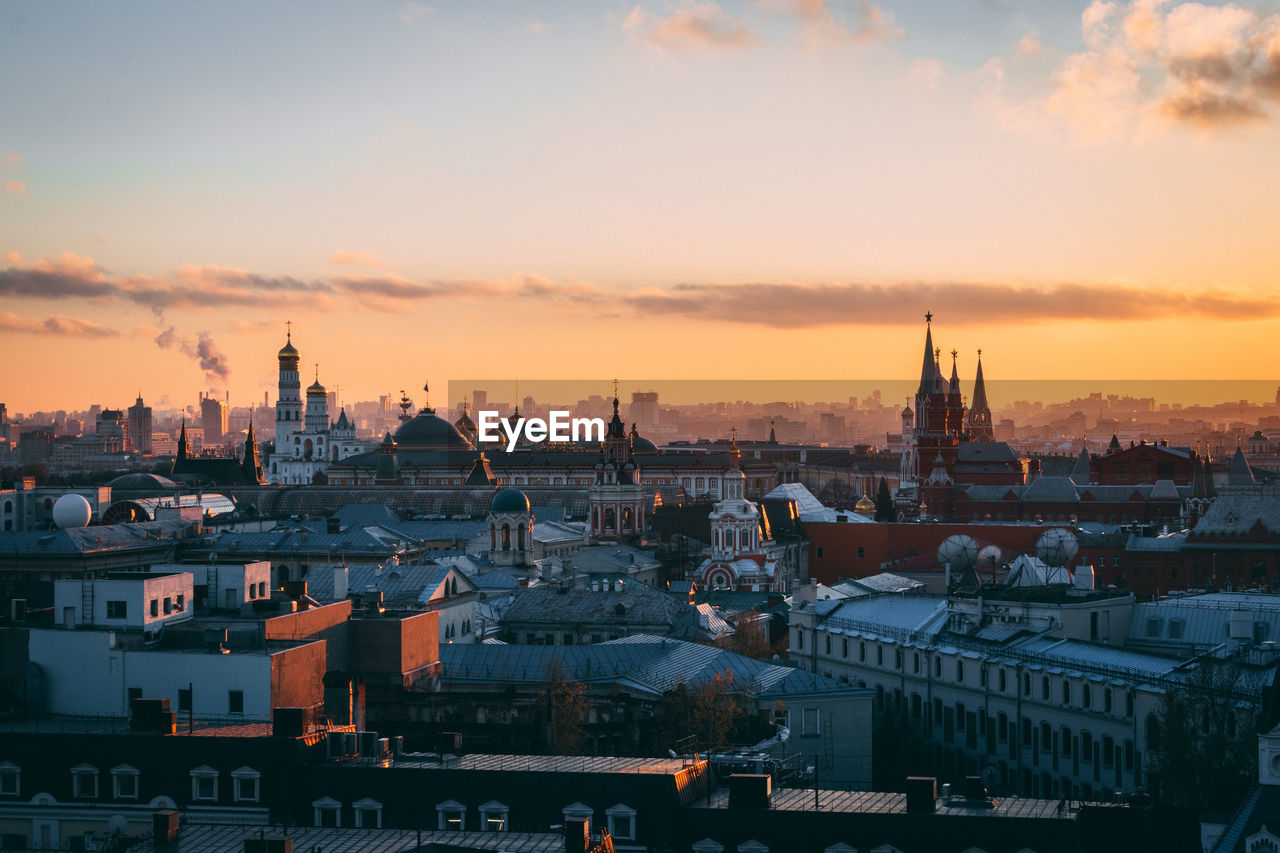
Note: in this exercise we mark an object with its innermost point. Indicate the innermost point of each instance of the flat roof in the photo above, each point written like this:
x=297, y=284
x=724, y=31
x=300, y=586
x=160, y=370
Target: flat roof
x=881, y=802
x=553, y=764
x=61, y=724
x=230, y=839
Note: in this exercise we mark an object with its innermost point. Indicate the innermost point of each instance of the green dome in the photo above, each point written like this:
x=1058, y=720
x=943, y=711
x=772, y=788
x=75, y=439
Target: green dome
x=509, y=500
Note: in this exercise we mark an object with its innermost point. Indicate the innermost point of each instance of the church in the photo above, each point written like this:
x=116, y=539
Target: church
x=305, y=440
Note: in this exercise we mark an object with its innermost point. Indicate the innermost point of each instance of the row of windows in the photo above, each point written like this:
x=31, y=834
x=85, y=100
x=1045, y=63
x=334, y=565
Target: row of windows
x=124, y=782
x=1087, y=696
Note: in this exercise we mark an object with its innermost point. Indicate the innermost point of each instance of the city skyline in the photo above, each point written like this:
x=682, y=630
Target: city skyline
x=770, y=189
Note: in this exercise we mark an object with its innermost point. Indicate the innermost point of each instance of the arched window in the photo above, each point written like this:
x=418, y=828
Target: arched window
x=520, y=537
x=506, y=537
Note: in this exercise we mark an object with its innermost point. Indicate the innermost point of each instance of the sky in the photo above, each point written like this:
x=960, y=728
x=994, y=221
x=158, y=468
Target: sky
x=766, y=189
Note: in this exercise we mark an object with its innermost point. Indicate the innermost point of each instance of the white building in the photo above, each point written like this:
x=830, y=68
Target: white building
x=125, y=601
x=1036, y=694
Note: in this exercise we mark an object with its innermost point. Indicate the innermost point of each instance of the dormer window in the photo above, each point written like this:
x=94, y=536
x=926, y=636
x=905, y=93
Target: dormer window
x=84, y=782
x=10, y=779
x=204, y=784
x=124, y=782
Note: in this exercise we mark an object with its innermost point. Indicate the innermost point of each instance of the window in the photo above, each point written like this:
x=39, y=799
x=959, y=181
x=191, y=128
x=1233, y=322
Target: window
x=493, y=817
x=1026, y=684
x=124, y=782
x=1044, y=688
x=327, y=812
x=155, y=607
x=235, y=701
x=1108, y=751
x=1088, y=697
x=800, y=638
x=1026, y=732
x=937, y=667
x=84, y=782
x=828, y=644
x=915, y=662
x=204, y=784
x=1065, y=738
x=1128, y=705
x=180, y=603
x=960, y=716
x=244, y=785
x=861, y=552
x=451, y=815
x=368, y=813
x=1106, y=700
x=622, y=822
x=879, y=655
x=1004, y=680
x=862, y=651
x=1046, y=737
x=168, y=605
x=1066, y=693
x=844, y=647
x=1086, y=746
x=10, y=779
x=117, y=610
x=1002, y=727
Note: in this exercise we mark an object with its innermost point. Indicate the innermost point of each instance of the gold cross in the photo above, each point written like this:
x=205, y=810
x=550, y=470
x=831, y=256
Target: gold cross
x=289, y=325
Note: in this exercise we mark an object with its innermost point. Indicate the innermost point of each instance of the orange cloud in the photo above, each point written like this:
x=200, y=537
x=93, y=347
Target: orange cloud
x=693, y=26
x=59, y=326
x=867, y=22
x=1149, y=63
x=17, y=187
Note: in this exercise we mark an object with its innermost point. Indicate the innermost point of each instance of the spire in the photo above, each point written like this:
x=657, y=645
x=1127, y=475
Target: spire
x=1210, y=489
x=773, y=438
x=1238, y=471
x=250, y=464
x=980, y=428
x=1080, y=473
x=954, y=388
x=1198, y=490
x=1114, y=445
x=928, y=368
x=182, y=441
x=735, y=455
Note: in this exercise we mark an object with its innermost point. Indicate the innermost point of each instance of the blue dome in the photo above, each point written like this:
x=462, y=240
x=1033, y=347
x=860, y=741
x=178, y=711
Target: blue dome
x=509, y=500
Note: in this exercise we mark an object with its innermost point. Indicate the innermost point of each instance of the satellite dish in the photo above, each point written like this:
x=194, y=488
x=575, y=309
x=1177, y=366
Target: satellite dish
x=1057, y=547
x=959, y=551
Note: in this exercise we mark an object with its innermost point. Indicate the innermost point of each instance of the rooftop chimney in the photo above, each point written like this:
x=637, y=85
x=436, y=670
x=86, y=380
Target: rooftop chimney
x=750, y=790
x=922, y=794
x=576, y=836
x=164, y=827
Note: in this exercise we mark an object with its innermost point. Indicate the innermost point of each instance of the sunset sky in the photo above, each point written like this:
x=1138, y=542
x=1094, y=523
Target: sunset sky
x=768, y=189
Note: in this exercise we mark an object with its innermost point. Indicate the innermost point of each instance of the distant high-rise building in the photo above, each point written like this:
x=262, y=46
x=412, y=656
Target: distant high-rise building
x=213, y=419
x=479, y=400
x=112, y=429
x=140, y=427
x=644, y=408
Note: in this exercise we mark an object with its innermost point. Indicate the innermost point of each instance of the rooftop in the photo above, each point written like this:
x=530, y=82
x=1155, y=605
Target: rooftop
x=230, y=839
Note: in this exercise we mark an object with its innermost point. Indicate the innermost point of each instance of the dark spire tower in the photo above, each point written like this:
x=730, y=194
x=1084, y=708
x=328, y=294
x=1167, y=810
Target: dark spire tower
x=251, y=465
x=980, y=427
x=939, y=417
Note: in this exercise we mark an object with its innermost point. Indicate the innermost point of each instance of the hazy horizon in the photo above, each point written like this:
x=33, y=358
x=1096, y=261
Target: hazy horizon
x=697, y=188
